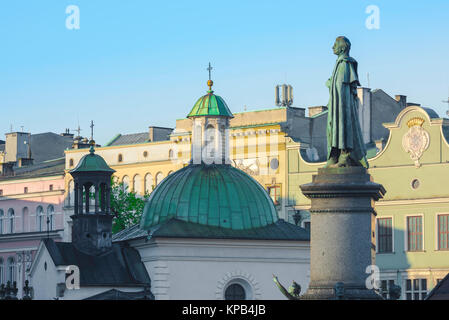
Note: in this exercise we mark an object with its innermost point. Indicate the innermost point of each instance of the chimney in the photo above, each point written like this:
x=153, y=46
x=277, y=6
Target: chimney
x=316, y=110
x=151, y=134
x=402, y=100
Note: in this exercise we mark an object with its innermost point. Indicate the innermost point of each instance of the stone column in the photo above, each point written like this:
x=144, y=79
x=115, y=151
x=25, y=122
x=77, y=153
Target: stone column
x=342, y=232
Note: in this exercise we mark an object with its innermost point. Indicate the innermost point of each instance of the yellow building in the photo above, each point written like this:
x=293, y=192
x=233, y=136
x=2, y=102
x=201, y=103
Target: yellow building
x=257, y=146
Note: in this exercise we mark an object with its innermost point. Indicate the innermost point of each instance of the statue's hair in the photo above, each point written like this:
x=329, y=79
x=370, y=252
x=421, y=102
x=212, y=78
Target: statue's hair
x=346, y=43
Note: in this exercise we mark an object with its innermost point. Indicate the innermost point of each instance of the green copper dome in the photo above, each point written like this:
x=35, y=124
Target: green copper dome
x=92, y=162
x=210, y=105
x=213, y=195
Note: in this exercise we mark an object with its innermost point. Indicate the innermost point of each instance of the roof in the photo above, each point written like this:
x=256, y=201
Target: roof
x=47, y=168
x=175, y=228
x=122, y=266
x=92, y=162
x=115, y=294
x=127, y=139
x=49, y=145
x=210, y=105
x=214, y=195
x=441, y=290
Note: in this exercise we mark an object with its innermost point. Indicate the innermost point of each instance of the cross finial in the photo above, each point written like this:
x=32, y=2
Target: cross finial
x=210, y=83
x=92, y=130
x=209, y=69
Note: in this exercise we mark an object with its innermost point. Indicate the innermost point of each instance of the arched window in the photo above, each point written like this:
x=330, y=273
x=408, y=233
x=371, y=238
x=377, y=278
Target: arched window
x=2, y=216
x=210, y=141
x=125, y=184
x=51, y=217
x=2, y=270
x=169, y=173
x=159, y=178
x=11, y=220
x=71, y=194
x=235, y=292
x=40, y=218
x=25, y=220
x=71, y=163
x=120, y=158
x=148, y=183
x=137, y=184
x=11, y=270
x=170, y=154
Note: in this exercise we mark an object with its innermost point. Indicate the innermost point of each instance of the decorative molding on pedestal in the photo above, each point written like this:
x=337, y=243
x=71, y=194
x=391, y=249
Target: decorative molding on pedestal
x=342, y=217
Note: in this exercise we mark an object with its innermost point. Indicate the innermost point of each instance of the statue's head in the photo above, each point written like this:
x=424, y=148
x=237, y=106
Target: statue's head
x=341, y=45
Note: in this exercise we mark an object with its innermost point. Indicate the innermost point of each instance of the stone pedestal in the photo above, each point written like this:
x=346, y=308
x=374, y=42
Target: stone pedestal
x=342, y=232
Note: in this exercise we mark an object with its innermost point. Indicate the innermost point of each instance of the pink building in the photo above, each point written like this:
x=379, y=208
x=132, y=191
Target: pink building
x=31, y=209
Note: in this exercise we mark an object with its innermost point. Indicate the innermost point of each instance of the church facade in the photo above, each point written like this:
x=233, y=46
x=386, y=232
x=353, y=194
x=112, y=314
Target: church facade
x=208, y=231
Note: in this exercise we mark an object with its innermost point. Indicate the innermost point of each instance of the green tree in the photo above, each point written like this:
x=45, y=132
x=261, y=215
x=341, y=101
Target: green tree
x=126, y=206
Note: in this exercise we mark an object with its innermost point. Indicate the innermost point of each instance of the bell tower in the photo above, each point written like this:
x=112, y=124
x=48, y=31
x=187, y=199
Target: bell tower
x=210, y=123
x=92, y=220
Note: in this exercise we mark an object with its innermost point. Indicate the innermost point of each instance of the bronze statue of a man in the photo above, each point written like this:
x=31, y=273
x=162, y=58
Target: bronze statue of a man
x=345, y=146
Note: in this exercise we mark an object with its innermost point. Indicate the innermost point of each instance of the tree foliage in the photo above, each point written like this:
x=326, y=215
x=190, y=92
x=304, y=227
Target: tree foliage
x=127, y=206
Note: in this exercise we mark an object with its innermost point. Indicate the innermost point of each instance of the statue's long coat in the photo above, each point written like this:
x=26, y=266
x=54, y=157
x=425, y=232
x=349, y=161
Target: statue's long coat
x=343, y=126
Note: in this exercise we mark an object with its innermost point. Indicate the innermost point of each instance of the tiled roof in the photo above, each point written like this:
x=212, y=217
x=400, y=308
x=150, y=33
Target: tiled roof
x=47, y=168
x=176, y=228
x=127, y=139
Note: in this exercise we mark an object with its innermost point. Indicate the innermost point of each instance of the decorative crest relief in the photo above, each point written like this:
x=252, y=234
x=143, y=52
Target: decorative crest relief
x=416, y=140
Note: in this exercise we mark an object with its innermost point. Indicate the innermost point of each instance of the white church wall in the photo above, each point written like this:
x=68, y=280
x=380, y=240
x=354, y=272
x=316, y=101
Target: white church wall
x=202, y=269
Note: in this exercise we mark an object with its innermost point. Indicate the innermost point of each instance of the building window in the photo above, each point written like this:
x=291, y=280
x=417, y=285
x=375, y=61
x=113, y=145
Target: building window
x=384, y=235
x=51, y=216
x=145, y=154
x=71, y=194
x=125, y=182
x=11, y=270
x=120, y=158
x=159, y=178
x=71, y=163
x=40, y=218
x=385, y=288
x=137, y=181
x=414, y=233
x=11, y=220
x=2, y=279
x=148, y=183
x=415, y=289
x=25, y=190
x=2, y=216
x=235, y=292
x=170, y=154
x=275, y=194
x=25, y=220
x=1, y=192
x=443, y=232
x=50, y=187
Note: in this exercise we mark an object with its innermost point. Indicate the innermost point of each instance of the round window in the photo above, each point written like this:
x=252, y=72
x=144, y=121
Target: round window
x=235, y=292
x=415, y=184
x=274, y=163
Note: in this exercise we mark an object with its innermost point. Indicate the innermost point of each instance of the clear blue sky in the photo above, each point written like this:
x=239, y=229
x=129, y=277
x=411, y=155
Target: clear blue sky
x=138, y=63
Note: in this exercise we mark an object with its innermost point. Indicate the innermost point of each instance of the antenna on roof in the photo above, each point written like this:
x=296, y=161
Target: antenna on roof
x=287, y=95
